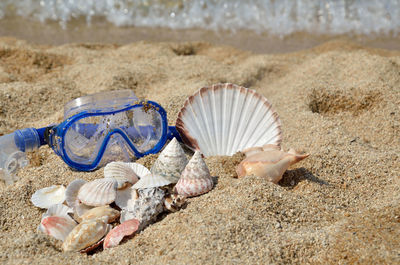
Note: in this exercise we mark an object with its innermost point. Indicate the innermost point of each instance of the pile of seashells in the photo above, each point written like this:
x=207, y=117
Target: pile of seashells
x=218, y=120
x=129, y=194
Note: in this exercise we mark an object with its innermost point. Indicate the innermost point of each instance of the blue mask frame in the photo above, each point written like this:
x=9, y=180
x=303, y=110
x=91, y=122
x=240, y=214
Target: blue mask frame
x=56, y=136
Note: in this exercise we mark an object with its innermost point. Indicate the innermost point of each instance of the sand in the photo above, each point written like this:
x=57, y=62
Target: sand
x=338, y=101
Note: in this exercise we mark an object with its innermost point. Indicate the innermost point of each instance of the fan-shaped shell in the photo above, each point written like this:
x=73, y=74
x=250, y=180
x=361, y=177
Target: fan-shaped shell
x=85, y=235
x=71, y=193
x=225, y=118
x=195, y=178
x=57, y=226
x=98, y=192
x=126, y=196
x=46, y=197
x=58, y=210
x=151, y=181
x=119, y=232
x=124, y=172
x=171, y=162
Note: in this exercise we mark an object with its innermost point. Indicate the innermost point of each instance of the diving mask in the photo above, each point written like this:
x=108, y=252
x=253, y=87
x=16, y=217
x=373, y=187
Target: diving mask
x=99, y=128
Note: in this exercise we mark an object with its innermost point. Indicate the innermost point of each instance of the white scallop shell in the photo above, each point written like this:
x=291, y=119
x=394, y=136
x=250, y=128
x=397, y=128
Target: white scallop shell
x=171, y=161
x=151, y=181
x=71, y=193
x=46, y=197
x=123, y=172
x=225, y=118
x=57, y=226
x=98, y=192
x=126, y=196
x=80, y=209
x=57, y=210
x=195, y=178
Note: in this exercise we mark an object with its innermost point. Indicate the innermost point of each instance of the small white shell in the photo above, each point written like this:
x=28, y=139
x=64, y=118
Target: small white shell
x=98, y=192
x=151, y=181
x=122, y=171
x=171, y=162
x=71, y=193
x=57, y=210
x=225, y=118
x=46, y=197
x=125, y=197
x=80, y=209
x=57, y=226
x=195, y=178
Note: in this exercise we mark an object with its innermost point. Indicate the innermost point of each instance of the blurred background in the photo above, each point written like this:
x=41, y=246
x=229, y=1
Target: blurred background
x=256, y=25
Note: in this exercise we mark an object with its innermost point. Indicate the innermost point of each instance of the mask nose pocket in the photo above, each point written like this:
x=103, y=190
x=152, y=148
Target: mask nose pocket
x=117, y=150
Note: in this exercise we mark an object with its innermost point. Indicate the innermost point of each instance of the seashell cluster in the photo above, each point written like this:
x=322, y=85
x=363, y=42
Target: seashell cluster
x=268, y=161
x=86, y=219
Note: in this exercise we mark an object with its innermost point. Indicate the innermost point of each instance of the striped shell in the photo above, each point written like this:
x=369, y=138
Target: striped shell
x=57, y=210
x=115, y=236
x=225, y=118
x=171, y=162
x=71, y=193
x=195, y=178
x=151, y=181
x=57, y=226
x=46, y=197
x=125, y=172
x=98, y=192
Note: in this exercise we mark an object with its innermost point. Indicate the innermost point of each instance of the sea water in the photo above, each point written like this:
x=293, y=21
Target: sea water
x=276, y=17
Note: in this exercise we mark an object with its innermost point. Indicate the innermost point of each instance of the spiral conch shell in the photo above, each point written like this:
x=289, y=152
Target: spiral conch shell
x=195, y=178
x=268, y=161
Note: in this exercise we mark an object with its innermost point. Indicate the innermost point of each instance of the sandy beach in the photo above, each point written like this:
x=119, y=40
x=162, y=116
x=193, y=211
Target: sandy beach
x=338, y=101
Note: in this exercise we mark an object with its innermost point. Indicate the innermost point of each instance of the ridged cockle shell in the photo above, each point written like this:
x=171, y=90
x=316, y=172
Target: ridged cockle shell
x=123, y=172
x=58, y=227
x=171, y=161
x=195, y=178
x=46, y=197
x=98, y=192
x=270, y=162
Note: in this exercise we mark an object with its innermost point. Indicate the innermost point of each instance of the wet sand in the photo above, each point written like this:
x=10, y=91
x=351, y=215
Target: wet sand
x=338, y=101
x=101, y=31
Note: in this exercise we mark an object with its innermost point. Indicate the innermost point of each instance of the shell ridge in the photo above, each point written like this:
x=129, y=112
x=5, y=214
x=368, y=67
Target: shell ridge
x=250, y=131
x=207, y=112
x=232, y=124
x=217, y=122
x=242, y=114
x=202, y=123
x=257, y=134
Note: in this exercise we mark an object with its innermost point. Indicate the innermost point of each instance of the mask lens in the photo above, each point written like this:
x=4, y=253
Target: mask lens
x=140, y=127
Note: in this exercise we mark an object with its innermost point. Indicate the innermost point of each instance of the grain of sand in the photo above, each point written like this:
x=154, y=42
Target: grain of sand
x=338, y=101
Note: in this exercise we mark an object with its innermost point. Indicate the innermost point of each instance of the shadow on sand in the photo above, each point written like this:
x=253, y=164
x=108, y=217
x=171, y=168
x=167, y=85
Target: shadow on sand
x=292, y=178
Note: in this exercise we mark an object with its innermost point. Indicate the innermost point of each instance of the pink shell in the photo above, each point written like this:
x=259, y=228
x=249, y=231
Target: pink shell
x=119, y=232
x=193, y=187
x=58, y=226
